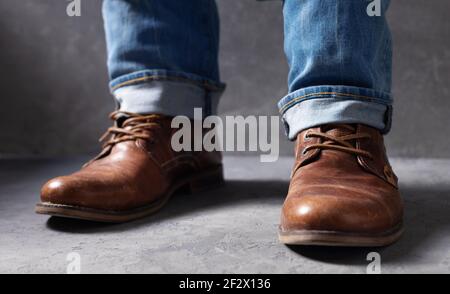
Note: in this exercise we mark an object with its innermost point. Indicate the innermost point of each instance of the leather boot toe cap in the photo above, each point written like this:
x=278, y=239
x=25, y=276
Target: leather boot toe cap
x=335, y=214
x=57, y=191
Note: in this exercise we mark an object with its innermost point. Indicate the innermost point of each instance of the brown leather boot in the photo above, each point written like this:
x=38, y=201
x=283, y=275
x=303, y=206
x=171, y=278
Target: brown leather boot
x=343, y=191
x=133, y=176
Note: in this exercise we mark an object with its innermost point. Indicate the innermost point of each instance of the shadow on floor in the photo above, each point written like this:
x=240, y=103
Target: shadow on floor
x=426, y=216
x=232, y=193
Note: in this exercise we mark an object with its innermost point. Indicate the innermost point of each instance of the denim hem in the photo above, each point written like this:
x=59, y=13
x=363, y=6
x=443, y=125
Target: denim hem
x=315, y=106
x=145, y=76
x=336, y=92
x=166, y=97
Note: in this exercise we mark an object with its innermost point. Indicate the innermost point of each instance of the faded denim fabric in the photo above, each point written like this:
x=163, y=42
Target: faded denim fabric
x=163, y=55
x=340, y=61
x=163, y=58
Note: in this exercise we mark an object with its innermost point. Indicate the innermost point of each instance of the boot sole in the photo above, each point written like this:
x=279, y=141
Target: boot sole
x=330, y=238
x=197, y=183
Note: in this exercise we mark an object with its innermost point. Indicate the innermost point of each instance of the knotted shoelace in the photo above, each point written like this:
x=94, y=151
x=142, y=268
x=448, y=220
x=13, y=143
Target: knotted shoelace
x=135, y=126
x=340, y=143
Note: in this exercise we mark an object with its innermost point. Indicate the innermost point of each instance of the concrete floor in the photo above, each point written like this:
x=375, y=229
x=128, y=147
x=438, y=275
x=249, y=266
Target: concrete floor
x=229, y=230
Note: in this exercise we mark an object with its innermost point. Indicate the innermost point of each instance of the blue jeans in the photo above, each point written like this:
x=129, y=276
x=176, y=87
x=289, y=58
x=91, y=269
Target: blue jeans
x=163, y=58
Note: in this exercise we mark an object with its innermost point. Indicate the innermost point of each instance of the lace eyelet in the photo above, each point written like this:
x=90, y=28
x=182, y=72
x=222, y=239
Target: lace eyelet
x=306, y=137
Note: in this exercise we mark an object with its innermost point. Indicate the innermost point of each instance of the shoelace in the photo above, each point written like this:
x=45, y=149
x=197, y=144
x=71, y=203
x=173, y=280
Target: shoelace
x=340, y=143
x=135, y=126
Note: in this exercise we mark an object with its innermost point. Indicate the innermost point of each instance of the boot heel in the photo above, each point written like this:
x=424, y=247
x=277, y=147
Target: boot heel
x=206, y=181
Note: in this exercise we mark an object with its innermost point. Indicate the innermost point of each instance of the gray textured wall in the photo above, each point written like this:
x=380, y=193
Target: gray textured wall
x=53, y=77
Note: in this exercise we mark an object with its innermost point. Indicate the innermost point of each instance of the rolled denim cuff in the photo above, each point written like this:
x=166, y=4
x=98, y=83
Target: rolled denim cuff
x=319, y=105
x=166, y=92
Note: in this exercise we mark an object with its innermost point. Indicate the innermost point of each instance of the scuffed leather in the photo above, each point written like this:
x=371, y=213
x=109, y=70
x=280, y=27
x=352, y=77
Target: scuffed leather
x=331, y=190
x=129, y=175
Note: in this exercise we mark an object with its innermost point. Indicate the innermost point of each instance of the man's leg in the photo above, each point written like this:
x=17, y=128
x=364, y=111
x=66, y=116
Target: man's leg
x=343, y=191
x=163, y=55
x=162, y=60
